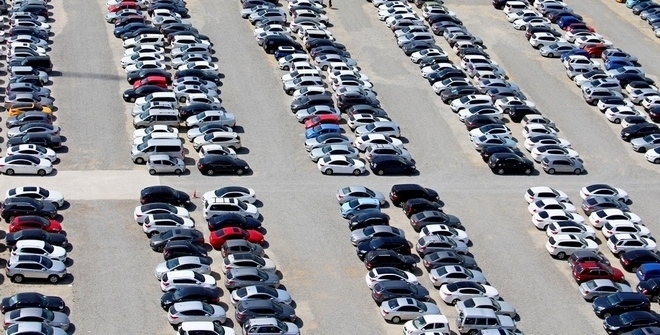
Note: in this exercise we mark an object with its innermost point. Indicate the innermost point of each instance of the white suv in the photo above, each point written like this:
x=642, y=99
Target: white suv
x=217, y=206
x=561, y=246
x=621, y=243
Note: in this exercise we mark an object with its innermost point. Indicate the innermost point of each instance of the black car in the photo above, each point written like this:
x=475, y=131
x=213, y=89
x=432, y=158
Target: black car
x=389, y=258
x=650, y=288
x=503, y=162
x=164, y=194
x=499, y=4
x=205, y=75
x=28, y=78
x=555, y=15
x=31, y=299
x=32, y=31
x=36, y=234
x=320, y=42
x=417, y=205
x=594, y=203
x=157, y=242
x=440, y=27
x=618, y=303
x=214, y=164
x=490, y=150
x=517, y=113
x=421, y=219
x=169, y=28
x=479, y=120
x=396, y=243
x=241, y=247
x=179, y=9
x=207, y=295
x=443, y=74
x=139, y=31
x=368, y=219
x=253, y=308
x=28, y=117
x=654, y=113
x=586, y=256
x=131, y=94
x=122, y=21
x=119, y=32
x=272, y=42
x=19, y=206
x=414, y=46
x=472, y=51
x=442, y=258
x=220, y=221
x=391, y=164
x=618, y=324
x=400, y=193
x=639, y=130
x=37, y=62
x=327, y=50
x=457, y=92
x=541, y=29
x=36, y=9
x=312, y=100
x=139, y=75
x=625, y=78
x=42, y=139
x=174, y=249
x=435, y=18
x=631, y=260
x=366, y=109
x=196, y=108
x=346, y=101
x=503, y=92
x=392, y=289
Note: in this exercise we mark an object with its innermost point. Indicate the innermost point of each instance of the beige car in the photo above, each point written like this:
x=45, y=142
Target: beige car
x=165, y=164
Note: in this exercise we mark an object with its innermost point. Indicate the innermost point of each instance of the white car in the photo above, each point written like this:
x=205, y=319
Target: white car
x=454, y=273
x=385, y=13
x=362, y=142
x=542, y=219
x=601, y=217
x=203, y=327
x=636, y=96
x=513, y=16
x=139, y=140
x=32, y=150
x=140, y=57
x=547, y=204
x=603, y=104
x=536, y=193
x=542, y=151
x=150, y=39
x=37, y=192
x=143, y=211
x=491, y=129
x=185, y=278
x=140, y=133
x=341, y=165
x=561, y=246
x=593, y=39
x=532, y=142
x=247, y=260
x=444, y=230
x=470, y=101
x=217, y=206
x=358, y=120
x=570, y=228
x=427, y=324
x=195, y=311
x=464, y=290
x=521, y=24
x=387, y=128
x=304, y=114
x=37, y=247
x=582, y=62
x=145, y=65
x=653, y=155
x=417, y=56
x=539, y=40
x=535, y=129
x=650, y=101
x=307, y=91
x=25, y=164
x=200, y=65
x=379, y=274
x=620, y=243
x=159, y=223
x=215, y=149
x=238, y=192
x=491, y=111
x=182, y=40
x=616, y=114
x=504, y=103
x=604, y=190
x=613, y=227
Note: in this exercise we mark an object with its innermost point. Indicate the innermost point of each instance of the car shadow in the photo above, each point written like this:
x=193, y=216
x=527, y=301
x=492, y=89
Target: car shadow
x=221, y=292
x=216, y=276
x=258, y=203
x=299, y=322
x=262, y=230
x=69, y=247
x=265, y=245
x=3, y=234
x=243, y=151
x=279, y=274
x=72, y=329
x=68, y=262
x=417, y=272
x=238, y=129
x=62, y=150
x=228, y=322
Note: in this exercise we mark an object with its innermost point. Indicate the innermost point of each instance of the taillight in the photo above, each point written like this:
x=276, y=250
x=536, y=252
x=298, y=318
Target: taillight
x=230, y=281
x=426, y=263
x=609, y=232
x=166, y=284
x=626, y=262
x=614, y=247
x=147, y=225
x=139, y=215
x=597, y=221
x=386, y=312
x=422, y=248
x=645, y=291
x=554, y=232
x=174, y=316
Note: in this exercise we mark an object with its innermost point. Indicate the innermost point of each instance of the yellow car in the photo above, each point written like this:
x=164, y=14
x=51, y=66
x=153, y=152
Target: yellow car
x=21, y=107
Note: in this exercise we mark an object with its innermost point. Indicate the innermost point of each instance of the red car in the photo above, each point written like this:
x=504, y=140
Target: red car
x=219, y=237
x=320, y=119
x=579, y=26
x=151, y=80
x=586, y=271
x=32, y=221
x=123, y=5
x=595, y=50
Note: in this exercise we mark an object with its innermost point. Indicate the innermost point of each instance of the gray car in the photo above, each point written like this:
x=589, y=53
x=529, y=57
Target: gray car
x=33, y=127
x=353, y=192
x=421, y=219
x=195, y=311
x=27, y=117
x=387, y=150
x=601, y=287
x=595, y=203
x=454, y=273
x=273, y=326
x=500, y=307
x=29, y=88
x=434, y=243
x=562, y=164
x=326, y=139
x=400, y=309
x=42, y=315
x=14, y=98
x=201, y=265
x=251, y=309
x=34, y=266
x=443, y=258
x=237, y=278
x=33, y=328
x=165, y=164
x=370, y=232
x=646, y=143
x=335, y=149
x=260, y=292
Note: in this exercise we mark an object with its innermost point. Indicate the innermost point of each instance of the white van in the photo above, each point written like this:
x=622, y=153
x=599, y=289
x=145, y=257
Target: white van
x=172, y=147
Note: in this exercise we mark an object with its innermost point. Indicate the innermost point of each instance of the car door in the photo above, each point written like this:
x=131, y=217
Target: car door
x=34, y=270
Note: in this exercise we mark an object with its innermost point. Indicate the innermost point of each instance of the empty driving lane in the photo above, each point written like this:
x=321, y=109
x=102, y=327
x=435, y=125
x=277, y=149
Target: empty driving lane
x=85, y=84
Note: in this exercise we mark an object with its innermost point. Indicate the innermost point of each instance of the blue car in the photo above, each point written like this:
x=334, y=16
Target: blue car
x=617, y=62
x=631, y=3
x=359, y=206
x=582, y=52
x=321, y=129
x=647, y=271
x=566, y=21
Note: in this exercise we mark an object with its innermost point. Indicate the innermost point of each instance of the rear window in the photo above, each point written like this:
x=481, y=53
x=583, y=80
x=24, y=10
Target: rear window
x=614, y=239
x=552, y=240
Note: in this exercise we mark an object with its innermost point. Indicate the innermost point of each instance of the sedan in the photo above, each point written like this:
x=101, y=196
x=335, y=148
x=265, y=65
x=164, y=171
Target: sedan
x=604, y=190
x=400, y=309
x=334, y=150
x=340, y=164
x=594, y=203
x=241, y=193
x=247, y=260
x=381, y=274
x=444, y=258
x=372, y=232
x=464, y=290
x=491, y=140
x=444, y=230
x=500, y=307
x=36, y=315
x=601, y=287
x=601, y=217
x=542, y=219
x=195, y=311
x=353, y=192
x=219, y=237
x=237, y=278
x=33, y=127
x=629, y=321
x=36, y=192
x=448, y=274
x=646, y=143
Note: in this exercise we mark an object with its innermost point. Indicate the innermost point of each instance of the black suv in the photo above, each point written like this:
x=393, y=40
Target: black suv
x=639, y=130
x=208, y=295
x=42, y=139
x=417, y=205
x=401, y=193
x=517, y=113
x=41, y=63
x=368, y=219
x=392, y=289
x=621, y=302
x=396, y=243
x=391, y=164
x=503, y=162
x=631, y=260
x=164, y=194
x=36, y=234
x=19, y=206
x=389, y=258
x=220, y=221
x=174, y=249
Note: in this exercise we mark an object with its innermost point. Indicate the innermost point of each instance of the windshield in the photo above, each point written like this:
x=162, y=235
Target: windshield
x=142, y=146
x=48, y=248
x=172, y=263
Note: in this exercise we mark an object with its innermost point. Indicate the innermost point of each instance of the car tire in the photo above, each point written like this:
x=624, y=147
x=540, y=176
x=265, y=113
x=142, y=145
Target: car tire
x=656, y=161
x=642, y=150
x=551, y=171
x=151, y=234
x=53, y=279
x=357, y=172
x=139, y=160
x=160, y=248
x=454, y=302
x=285, y=68
x=209, y=172
x=328, y=172
x=617, y=121
x=561, y=255
x=176, y=172
x=500, y=171
x=152, y=172
x=528, y=171
x=41, y=172
x=9, y=172
x=396, y=319
x=577, y=171
x=381, y=172
x=17, y=278
x=289, y=92
x=240, y=172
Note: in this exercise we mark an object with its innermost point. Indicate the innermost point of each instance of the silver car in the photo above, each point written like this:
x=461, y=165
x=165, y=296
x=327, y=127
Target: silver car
x=601, y=287
x=646, y=143
x=159, y=223
x=42, y=128
x=256, y=326
x=237, y=278
x=335, y=149
x=260, y=292
x=353, y=192
x=386, y=149
x=400, y=309
x=201, y=265
x=370, y=232
x=34, y=328
x=562, y=163
x=41, y=315
x=195, y=311
x=34, y=266
x=500, y=307
x=454, y=273
x=165, y=164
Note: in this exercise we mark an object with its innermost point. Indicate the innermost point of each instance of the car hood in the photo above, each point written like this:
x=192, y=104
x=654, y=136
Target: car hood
x=58, y=267
x=155, y=240
x=506, y=307
x=58, y=252
x=167, y=298
x=60, y=318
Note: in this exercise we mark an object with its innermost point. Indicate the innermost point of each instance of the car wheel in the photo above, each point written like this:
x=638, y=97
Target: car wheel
x=289, y=92
x=240, y=172
x=328, y=172
x=41, y=172
x=455, y=301
x=656, y=161
x=132, y=99
x=642, y=150
x=139, y=160
x=577, y=171
x=357, y=172
x=151, y=234
x=209, y=172
x=176, y=172
x=381, y=172
x=17, y=278
x=396, y=319
x=617, y=121
x=160, y=248
x=606, y=315
x=528, y=171
x=551, y=171
x=561, y=255
x=286, y=68
x=9, y=172
x=53, y=279
x=152, y=172
x=500, y=171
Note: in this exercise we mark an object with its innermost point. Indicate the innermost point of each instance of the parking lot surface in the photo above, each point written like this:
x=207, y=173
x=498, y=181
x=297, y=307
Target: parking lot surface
x=112, y=289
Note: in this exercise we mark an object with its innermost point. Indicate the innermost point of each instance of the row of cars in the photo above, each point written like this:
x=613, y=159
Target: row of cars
x=191, y=293
x=31, y=134
x=443, y=246
x=615, y=86
x=315, y=106
x=569, y=237
x=38, y=251
x=647, y=10
x=168, y=40
x=483, y=105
